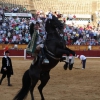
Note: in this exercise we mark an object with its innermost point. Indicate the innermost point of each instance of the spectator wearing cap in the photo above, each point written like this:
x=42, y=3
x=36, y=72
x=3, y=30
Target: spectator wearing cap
x=83, y=60
x=6, y=69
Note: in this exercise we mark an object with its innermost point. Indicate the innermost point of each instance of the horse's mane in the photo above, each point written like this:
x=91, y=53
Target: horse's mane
x=53, y=27
x=53, y=23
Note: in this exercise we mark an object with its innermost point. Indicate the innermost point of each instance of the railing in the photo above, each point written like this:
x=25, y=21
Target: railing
x=22, y=54
x=73, y=47
x=11, y=46
x=83, y=47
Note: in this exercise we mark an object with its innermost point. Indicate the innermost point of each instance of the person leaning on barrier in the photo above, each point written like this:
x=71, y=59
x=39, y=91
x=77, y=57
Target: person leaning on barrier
x=83, y=60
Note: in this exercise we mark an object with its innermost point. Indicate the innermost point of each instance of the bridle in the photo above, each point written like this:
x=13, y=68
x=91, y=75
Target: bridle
x=49, y=53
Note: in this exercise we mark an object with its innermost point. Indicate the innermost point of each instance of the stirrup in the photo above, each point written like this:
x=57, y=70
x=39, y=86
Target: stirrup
x=45, y=61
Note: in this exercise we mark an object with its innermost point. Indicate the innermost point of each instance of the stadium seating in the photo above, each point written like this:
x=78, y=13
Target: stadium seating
x=65, y=6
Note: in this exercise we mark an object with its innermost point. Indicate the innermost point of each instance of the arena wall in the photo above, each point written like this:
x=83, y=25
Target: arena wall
x=73, y=47
x=22, y=53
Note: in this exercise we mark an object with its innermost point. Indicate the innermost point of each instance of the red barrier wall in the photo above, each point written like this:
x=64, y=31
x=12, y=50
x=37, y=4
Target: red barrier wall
x=13, y=52
x=86, y=53
x=89, y=53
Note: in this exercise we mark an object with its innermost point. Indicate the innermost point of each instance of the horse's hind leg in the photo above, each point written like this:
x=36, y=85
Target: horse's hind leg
x=44, y=78
x=33, y=84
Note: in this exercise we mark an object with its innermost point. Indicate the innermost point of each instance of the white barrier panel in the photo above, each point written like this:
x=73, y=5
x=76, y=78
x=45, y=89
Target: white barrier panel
x=77, y=22
x=18, y=14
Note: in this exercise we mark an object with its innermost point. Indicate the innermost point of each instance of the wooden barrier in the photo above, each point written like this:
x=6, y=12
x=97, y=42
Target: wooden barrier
x=22, y=53
x=22, y=46
x=11, y=46
x=78, y=48
x=95, y=47
x=73, y=47
x=1, y=47
x=83, y=47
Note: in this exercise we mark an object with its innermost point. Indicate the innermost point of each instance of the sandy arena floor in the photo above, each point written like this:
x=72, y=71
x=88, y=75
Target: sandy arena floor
x=77, y=84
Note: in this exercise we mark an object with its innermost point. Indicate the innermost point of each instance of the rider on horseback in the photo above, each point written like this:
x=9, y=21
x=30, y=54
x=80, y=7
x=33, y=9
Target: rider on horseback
x=37, y=41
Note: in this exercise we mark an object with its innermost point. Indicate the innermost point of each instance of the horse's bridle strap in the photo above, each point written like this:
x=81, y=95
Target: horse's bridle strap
x=53, y=57
x=51, y=54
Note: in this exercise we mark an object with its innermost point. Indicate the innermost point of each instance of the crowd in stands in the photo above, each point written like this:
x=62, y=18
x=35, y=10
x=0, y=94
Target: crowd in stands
x=17, y=9
x=82, y=35
x=15, y=30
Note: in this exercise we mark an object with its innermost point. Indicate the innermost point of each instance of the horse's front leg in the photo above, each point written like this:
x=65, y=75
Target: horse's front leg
x=60, y=51
x=72, y=57
x=44, y=78
x=33, y=84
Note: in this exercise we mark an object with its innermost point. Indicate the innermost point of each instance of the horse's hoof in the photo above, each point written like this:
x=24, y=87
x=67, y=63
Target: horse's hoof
x=70, y=67
x=65, y=67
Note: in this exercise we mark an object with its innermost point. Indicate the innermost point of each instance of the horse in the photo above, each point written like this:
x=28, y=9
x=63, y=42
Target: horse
x=54, y=49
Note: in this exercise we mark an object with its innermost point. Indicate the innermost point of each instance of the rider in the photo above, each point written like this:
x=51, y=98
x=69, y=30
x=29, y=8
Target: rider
x=39, y=41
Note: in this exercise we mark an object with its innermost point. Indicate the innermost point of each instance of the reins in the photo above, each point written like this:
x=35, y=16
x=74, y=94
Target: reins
x=49, y=53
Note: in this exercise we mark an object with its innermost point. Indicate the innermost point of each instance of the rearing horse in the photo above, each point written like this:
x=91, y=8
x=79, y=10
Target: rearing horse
x=54, y=49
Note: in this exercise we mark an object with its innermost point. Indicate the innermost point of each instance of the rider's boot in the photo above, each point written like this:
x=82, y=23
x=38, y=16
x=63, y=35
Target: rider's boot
x=45, y=60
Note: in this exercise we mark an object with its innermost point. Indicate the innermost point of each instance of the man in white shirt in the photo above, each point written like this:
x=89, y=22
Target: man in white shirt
x=83, y=60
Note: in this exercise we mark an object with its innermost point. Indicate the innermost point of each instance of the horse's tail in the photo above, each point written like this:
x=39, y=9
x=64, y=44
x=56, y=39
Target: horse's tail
x=26, y=82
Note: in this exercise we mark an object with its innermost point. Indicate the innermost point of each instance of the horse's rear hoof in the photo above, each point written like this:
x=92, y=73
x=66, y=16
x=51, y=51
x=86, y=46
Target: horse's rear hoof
x=65, y=67
x=70, y=67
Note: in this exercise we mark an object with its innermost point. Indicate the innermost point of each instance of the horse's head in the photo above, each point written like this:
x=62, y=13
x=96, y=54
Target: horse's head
x=53, y=23
x=54, y=29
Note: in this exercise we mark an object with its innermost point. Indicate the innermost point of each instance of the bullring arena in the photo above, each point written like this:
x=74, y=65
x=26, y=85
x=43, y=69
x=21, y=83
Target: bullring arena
x=76, y=84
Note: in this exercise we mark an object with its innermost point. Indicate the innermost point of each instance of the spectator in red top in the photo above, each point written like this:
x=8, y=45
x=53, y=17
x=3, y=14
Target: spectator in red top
x=74, y=17
x=6, y=48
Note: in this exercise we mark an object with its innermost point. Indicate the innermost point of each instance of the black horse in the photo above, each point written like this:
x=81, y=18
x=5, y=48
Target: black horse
x=54, y=49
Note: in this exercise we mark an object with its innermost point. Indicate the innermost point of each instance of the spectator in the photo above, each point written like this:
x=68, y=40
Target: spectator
x=89, y=47
x=20, y=26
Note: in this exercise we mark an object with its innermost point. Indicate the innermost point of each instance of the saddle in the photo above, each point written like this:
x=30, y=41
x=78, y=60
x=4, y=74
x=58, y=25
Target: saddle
x=38, y=57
